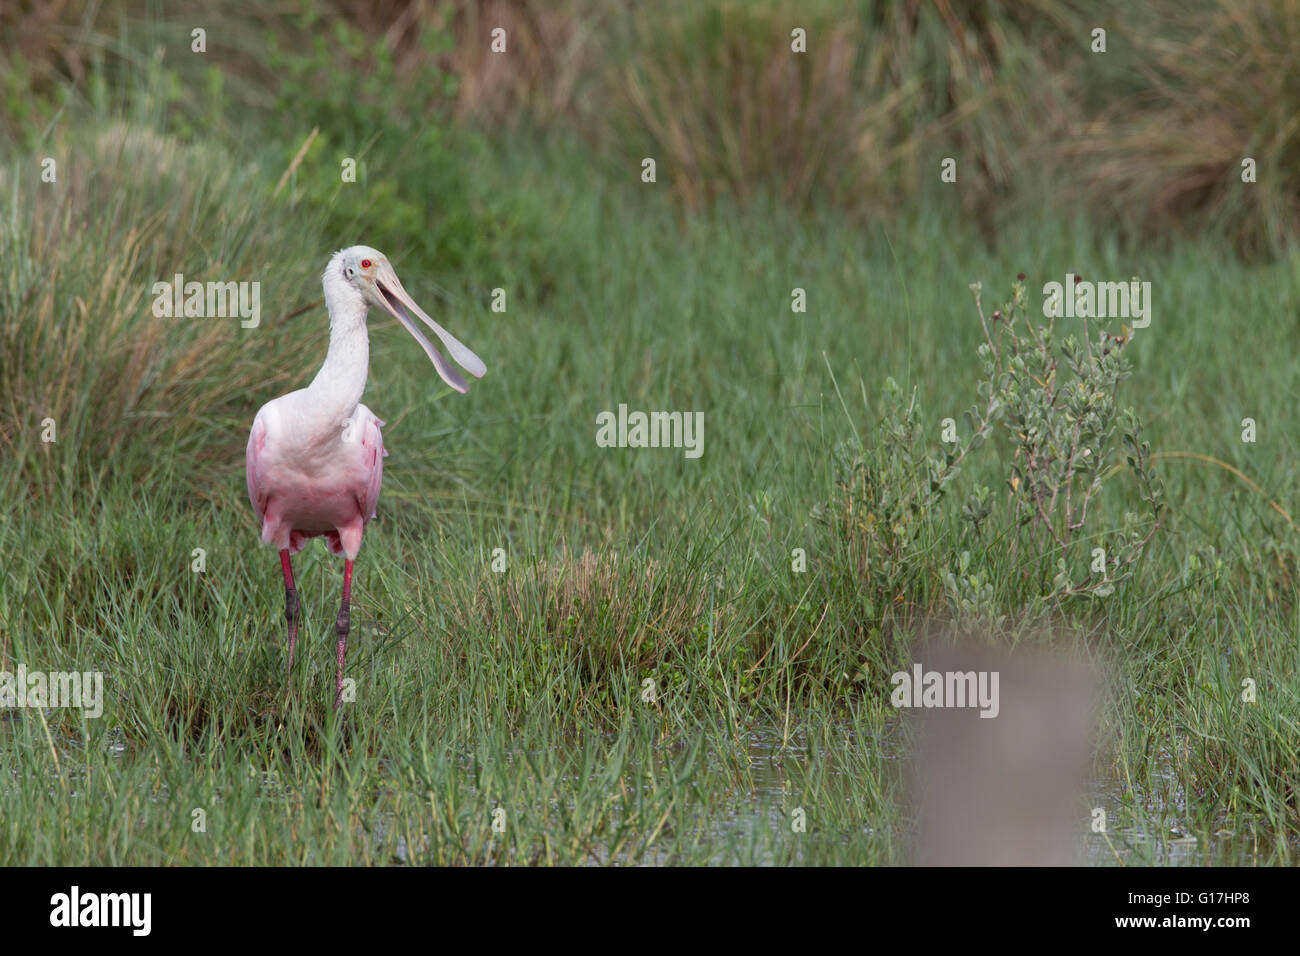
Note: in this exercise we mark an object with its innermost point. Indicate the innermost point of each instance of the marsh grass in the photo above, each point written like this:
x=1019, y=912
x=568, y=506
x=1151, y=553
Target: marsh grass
x=525, y=690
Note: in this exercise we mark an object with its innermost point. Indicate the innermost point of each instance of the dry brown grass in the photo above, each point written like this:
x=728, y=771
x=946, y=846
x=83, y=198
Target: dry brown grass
x=1217, y=85
x=551, y=49
x=40, y=31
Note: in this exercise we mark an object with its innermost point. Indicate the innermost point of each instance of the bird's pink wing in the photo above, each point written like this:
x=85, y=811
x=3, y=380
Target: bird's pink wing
x=373, y=444
x=252, y=465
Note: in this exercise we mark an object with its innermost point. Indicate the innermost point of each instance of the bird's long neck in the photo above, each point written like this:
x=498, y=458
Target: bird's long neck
x=336, y=390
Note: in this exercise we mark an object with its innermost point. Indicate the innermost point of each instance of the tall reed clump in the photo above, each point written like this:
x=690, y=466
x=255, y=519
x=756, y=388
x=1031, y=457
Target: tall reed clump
x=93, y=383
x=1193, y=94
x=821, y=103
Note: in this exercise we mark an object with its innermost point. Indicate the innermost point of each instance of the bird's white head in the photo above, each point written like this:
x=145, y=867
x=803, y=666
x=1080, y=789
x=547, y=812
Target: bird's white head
x=367, y=274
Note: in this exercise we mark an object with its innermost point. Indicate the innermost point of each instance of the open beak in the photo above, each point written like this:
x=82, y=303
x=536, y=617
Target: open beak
x=402, y=307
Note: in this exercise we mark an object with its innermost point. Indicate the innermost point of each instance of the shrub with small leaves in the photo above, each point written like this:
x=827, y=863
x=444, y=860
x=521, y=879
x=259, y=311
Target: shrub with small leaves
x=1058, y=405
x=1054, y=408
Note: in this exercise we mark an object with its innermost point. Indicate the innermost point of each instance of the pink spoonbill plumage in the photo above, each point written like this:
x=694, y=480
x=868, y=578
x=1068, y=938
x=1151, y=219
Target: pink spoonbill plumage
x=315, y=456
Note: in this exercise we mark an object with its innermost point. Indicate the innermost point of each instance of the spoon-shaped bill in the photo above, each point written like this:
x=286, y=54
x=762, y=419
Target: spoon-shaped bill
x=445, y=368
x=402, y=307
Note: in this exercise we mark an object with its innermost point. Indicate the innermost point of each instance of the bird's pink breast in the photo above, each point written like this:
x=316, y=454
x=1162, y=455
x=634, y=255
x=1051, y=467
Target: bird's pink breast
x=306, y=489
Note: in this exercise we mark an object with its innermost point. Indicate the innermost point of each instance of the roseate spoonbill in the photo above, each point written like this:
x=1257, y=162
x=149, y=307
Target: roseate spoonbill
x=315, y=456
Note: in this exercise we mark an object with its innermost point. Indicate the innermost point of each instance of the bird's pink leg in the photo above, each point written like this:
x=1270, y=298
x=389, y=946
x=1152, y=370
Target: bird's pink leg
x=292, y=609
x=342, y=628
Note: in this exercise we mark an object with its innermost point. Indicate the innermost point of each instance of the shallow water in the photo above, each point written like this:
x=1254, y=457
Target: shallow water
x=747, y=793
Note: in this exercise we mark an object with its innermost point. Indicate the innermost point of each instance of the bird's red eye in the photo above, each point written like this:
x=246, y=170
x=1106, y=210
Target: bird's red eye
x=365, y=263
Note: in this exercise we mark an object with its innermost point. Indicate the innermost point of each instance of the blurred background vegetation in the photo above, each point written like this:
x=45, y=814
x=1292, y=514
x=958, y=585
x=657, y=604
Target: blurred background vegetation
x=1147, y=137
